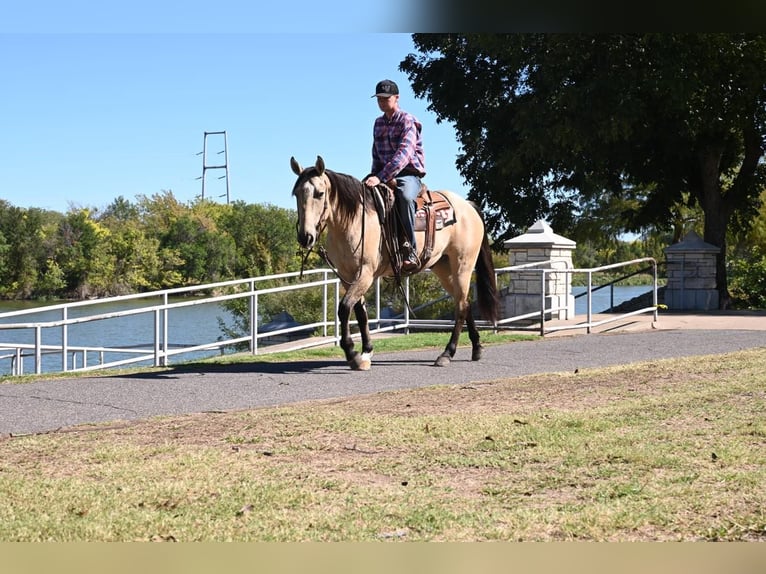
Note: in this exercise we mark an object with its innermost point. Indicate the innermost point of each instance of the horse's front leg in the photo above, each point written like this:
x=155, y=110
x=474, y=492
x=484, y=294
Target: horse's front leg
x=363, y=361
x=346, y=342
x=357, y=361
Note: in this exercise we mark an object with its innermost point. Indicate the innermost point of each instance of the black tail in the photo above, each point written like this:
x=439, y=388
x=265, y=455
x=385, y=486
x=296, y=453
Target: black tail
x=486, y=283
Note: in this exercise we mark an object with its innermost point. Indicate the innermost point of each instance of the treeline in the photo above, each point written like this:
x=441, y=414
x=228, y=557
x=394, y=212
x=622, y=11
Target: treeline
x=158, y=242
x=151, y=243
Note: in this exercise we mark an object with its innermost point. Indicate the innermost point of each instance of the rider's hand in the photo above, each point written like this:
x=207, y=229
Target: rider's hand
x=372, y=181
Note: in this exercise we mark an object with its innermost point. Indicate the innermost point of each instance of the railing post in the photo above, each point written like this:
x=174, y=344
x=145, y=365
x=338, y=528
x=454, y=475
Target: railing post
x=164, y=358
x=654, y=289
x=157, y=357
x=325, y=302
x=589, y=301
x=406, y=305
x=335, y=314
x=38, y=350
x=254, y=323
x=64, y=339
x=542, y=301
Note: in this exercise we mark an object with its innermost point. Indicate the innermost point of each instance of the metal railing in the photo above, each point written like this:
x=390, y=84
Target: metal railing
x=161, y=309
x=538, y=320
x=589, y=323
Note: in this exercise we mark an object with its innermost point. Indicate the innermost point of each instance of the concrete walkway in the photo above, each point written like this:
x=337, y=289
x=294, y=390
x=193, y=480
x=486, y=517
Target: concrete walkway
x=708, y=320
x=47, y=406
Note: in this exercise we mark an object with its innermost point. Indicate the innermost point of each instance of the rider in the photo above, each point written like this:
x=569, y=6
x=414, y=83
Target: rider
x=399, y=161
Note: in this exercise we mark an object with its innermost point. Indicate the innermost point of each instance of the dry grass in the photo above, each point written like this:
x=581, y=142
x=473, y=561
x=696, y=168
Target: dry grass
x=670, y=450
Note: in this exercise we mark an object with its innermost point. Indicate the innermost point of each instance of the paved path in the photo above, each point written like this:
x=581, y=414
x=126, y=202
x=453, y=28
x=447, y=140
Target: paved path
x=50, y=405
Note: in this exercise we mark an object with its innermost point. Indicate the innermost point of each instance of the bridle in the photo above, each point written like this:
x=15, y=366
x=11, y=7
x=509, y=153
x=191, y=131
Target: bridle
x=319, y=229
x=321, y=251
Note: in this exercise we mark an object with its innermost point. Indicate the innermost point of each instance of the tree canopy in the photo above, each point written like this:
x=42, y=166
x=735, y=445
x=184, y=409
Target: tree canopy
x=154, y=243
x=619, y=129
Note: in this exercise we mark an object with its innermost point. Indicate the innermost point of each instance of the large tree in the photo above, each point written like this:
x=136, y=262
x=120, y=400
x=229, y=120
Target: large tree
x=550, y=123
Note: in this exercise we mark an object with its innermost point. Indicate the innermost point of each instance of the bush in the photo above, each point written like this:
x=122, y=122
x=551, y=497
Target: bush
x=747, y=280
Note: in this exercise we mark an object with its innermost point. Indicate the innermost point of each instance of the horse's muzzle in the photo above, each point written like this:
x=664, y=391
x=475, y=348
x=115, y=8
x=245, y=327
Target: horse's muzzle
x=306, y=240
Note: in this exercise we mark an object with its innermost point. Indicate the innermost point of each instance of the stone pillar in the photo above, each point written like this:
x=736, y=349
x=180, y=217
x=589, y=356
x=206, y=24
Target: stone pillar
x=540, y=244
x=691, y=268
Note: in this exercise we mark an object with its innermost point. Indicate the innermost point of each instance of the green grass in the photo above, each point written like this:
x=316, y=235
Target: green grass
x=664, y=450
x=416, y=340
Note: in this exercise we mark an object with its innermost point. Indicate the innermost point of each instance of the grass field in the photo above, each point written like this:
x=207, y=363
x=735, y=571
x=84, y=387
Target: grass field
x=665, y=450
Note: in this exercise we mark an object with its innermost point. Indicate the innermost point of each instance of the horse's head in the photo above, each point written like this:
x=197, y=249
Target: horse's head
x=311, y=193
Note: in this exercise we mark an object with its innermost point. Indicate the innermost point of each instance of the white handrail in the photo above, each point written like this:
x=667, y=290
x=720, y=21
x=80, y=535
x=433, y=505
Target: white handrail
x=161, y=348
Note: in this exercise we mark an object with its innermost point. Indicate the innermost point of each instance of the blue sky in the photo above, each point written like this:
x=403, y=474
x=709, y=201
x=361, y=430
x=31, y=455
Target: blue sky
x=100, y=105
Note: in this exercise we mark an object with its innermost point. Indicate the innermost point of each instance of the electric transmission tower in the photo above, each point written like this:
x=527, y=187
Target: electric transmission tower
x=224, y=165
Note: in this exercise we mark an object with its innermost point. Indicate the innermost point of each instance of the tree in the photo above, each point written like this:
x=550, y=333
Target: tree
x=551, y=122
x=80, y=251
x=135, y=261
x=26, y=247
x=747, y=261
x=265, y=238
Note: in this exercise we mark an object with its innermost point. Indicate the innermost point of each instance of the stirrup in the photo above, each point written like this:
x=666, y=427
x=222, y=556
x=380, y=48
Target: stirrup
x=410, y=266
x=410, y=260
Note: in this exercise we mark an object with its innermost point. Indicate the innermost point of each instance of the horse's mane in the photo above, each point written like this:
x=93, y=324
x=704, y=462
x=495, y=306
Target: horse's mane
x=348, y=192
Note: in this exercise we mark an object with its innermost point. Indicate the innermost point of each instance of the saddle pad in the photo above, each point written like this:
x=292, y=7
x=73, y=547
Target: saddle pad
x=441, y=208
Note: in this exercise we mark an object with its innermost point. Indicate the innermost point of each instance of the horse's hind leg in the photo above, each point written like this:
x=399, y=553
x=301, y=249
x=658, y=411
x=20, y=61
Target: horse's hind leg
x=456, y=281
x=449, y=351
x=473, y=334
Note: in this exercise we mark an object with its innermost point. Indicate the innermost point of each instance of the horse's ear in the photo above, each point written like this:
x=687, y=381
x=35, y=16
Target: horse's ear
x=296, y=166
x=320, y=165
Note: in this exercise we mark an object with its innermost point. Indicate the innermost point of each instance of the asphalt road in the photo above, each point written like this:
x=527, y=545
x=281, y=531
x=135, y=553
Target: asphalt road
x=56, y=404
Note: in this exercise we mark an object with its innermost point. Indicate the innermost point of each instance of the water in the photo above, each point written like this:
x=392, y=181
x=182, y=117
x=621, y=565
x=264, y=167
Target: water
x=603, y=299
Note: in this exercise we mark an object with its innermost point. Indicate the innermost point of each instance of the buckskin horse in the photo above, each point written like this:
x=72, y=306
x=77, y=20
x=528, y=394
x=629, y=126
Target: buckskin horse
x=356, y=248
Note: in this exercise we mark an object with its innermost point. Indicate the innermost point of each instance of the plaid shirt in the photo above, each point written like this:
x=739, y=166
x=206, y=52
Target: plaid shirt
x=397, y=147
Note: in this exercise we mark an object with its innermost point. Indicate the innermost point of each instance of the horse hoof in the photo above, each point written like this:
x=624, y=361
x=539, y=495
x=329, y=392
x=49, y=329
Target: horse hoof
x=361, y=362
x=442, y=361
x=476, y=354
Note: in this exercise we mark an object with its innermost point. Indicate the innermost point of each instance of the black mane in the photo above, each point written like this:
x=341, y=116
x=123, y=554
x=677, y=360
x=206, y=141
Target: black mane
x=349, y=192
x=346, y=193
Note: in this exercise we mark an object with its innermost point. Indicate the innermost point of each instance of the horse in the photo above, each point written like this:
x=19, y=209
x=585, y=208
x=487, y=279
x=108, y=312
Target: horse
x=355, y=246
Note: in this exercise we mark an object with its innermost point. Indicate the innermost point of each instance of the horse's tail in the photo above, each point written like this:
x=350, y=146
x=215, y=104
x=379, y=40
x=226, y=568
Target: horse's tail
x=486, y=282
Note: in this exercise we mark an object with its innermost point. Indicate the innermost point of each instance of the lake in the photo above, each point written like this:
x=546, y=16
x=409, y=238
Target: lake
x=604, y=299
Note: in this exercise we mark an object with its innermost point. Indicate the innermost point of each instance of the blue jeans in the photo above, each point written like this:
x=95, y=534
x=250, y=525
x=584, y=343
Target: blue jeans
x=407, y=190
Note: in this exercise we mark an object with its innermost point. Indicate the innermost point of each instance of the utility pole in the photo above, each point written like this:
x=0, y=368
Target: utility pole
x=224, y=165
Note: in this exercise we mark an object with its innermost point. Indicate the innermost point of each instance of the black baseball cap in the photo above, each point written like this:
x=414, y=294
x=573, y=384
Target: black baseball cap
x=386, y=88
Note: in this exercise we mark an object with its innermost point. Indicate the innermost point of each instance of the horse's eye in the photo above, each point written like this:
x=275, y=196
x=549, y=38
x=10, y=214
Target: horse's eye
x=318, y=194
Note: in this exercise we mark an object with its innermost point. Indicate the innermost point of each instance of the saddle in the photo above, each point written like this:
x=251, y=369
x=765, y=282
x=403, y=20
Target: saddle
x=433, y=212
